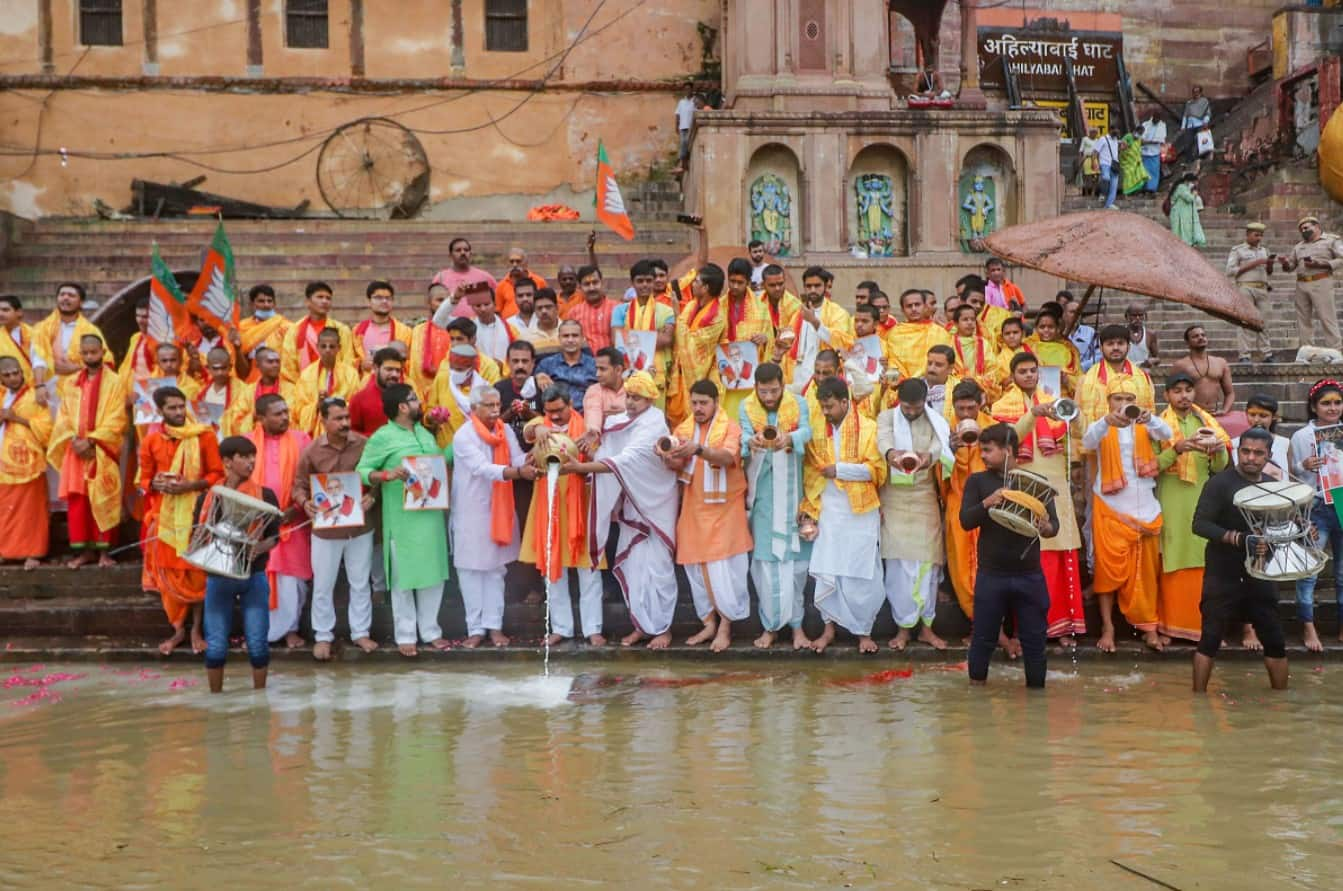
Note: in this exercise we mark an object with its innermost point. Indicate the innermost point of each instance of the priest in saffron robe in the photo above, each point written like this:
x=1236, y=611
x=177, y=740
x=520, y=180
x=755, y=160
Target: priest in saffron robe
x=1046, y=447
x=483, y=522
x=963, y=545
x=57, y=338
x=429, y=345
x=1186, y=461
x=240, y=417
x=911, y=340
x=25, y=430
x=781, y=304
x=221, y=401
x=265, y=327
x=713, y=540
x=300, y=342
x=747, y=319
x=380, y=328
x=645, y=313
x=636, y=491
x=555, y=539
x=177, y=462
x=775, y=430
x=16, y=341
x=821, y=324
x=976, y=358
x=842, y=475
x=85, y=446
x=699, y=329
x=278, y=447
x=326, y=377
x=1126, y=516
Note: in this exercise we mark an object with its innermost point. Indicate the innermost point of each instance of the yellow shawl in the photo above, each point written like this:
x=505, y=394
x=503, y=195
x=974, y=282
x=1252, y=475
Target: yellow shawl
x=23, y=351
x=313, y=386
x=698, y=331
x=175, y=510
x=714, y=478
x=858, y=445
x=1184, y=463
x=24, y=457
x=47, y=332
x=109, y=429
x=789, y=414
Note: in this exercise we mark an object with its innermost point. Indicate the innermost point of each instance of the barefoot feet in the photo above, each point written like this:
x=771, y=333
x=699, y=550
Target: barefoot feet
x=1153, y=641
x=901, y=639
x=1310, y=638
x=596, y=640
x=367, y=644
x=498, y=638
x=179, y=636
x=31, y=563
x=722, y=639
x=632, y=638
x=1106, y=642
x=661, y=642
x=407, y=650
x=472, y=641
x=294, y=641
x=827, y=637
x=927, y=636
x=764, y=641
x=83, y=558
x=321, y=651
x=867, y=644
x=800, y=640
x=706, y=633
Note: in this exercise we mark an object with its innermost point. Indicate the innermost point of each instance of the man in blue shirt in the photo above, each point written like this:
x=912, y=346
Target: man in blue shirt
x=572, y=367
x=1083, y=336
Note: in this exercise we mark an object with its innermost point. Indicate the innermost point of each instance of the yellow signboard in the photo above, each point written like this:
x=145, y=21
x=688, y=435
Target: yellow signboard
x=1097, y=114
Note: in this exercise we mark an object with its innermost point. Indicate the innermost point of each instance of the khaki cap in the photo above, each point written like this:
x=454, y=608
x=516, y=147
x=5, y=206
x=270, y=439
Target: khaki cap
x=1256, y=227
x=1311, y=219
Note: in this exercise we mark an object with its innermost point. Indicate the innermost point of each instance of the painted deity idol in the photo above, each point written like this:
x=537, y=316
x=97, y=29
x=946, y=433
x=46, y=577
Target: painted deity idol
x=772, y=215
x=876, y=216
x=978, y=212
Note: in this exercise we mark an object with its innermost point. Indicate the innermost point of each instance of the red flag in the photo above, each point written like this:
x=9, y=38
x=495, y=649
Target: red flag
x=610, y=204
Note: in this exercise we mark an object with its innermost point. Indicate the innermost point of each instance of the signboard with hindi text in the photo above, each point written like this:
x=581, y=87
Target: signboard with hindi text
x=1097, y=115
x=1037, y=57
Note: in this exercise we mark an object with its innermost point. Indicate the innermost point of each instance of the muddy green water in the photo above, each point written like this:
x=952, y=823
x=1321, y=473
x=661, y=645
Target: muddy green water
x=784, y=775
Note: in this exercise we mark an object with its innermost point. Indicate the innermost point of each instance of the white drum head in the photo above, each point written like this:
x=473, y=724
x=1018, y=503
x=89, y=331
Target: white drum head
x=1274, y=496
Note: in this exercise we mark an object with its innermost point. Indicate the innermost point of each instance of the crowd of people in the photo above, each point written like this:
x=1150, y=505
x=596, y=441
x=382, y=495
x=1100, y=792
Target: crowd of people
x=875, y=455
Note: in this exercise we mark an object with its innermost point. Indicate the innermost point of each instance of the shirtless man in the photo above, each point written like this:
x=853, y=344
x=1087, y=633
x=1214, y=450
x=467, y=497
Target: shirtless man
x=1214, y=391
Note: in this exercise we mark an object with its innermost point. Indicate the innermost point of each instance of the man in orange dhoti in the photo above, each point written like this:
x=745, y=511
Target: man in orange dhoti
x=300, y=342
x=263, y=328
x=555, y=539
x=1126, y=516
x=85, y=444
x=25, y=428
x=177, y=462
x=713, y=540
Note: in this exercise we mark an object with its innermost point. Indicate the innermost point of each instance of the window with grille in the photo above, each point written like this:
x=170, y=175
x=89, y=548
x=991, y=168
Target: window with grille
x=305, y=24
x=100, y=22
x=506, y=25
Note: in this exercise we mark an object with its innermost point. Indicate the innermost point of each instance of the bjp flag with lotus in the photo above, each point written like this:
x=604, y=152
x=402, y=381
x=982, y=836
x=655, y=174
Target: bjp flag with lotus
x=610, y=204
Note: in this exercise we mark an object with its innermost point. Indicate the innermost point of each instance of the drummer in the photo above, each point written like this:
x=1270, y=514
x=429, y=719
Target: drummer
x=1229, y=592
x=1008, y=577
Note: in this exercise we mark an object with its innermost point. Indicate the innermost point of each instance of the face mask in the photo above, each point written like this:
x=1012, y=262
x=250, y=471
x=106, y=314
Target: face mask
x=263, y=314
x=459, y=377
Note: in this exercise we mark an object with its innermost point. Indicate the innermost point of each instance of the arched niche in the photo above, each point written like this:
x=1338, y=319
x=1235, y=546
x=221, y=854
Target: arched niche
x=116, y=317
x=985, y=194
x=876, y=195
x=773, y=200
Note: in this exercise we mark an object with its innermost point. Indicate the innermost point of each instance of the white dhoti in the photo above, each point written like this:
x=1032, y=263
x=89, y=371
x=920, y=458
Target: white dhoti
x=911, y=588
x=483, y=598
x=561, y=607
x=779, y=586
x=720, y=586
x=846, y=563
x=290, y=595
x=416, y=610
x=646, y=570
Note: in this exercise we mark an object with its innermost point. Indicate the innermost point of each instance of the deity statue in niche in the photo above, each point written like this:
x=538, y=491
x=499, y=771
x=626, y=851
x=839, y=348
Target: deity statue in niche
x=772, y=214
x=876, y=214
x=979, y=211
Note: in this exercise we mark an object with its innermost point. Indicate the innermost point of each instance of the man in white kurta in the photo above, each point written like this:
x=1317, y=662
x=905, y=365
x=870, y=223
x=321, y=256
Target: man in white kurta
x=911, y=534
x=483, y=520
x=843, y=473
x=637, y=490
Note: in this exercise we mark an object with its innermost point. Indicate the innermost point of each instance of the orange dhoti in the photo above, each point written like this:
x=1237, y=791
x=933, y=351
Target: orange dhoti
x=24, y=527
x=962, y=552
x=1128, y=562
x=180, y=585
x=1179, y=609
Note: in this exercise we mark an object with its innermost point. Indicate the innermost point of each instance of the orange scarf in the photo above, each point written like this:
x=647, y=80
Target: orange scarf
x=306, y=343
x=288, y=467
x=551, y=557
x=1047, y=434
x=437, y=342
x=1112, y=461
x=501, y=492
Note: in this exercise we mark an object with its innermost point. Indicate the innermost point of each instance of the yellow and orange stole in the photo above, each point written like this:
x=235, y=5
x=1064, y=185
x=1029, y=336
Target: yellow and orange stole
x=911, y=341
x=1047, y=437
x=1184, y=466
x=1112, y=461
x=175, y=510
x=1060, y=353
x=46, y=336
x=24, y=457
x=715, y=478
x=857, y=445
x=699, y=328
x=962, y=545
x=20, y=349
x=289, y=452
x=550, y=555
x=787, y=419
x=93, y=407
x=746, y=320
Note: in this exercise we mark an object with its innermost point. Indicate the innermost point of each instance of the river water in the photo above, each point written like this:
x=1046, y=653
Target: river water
x=774, y=775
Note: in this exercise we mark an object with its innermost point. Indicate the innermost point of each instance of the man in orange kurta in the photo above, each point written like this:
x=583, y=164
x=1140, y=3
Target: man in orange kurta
x=25, y=428
x=85, y=444
x=177, y=462
x=505, y=302
x=713, y=538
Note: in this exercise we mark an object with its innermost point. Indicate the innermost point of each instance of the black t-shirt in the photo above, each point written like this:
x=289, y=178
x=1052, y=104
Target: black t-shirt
x=507, y=394
x=272, y=529
x=1000, y=549
x=1215, y=515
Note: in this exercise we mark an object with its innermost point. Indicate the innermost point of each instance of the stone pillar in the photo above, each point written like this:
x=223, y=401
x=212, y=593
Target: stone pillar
x=970, y=95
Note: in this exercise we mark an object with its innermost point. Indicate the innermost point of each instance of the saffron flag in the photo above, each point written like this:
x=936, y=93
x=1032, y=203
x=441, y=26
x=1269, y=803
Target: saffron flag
x=610, y=204
x=215, y=296
x=168, y=316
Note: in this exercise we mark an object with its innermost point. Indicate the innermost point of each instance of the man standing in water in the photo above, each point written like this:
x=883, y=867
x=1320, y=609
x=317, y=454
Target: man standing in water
x=1009, y=579
x=1230, y=594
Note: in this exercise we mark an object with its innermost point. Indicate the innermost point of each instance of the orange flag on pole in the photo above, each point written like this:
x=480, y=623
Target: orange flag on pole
x=610, y=204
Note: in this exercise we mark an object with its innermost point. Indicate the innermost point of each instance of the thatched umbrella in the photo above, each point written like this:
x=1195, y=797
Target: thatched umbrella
x=1110, y=249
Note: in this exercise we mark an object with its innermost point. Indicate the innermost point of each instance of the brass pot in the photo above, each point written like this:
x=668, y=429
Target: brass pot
x=556, y=449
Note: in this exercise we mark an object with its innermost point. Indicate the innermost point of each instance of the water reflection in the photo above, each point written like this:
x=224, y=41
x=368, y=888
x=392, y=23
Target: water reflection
x=795, y=776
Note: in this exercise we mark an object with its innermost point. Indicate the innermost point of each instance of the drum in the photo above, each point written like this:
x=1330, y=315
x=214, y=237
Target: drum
x=1024, y=501
x=1279, y=512
x=231, y=527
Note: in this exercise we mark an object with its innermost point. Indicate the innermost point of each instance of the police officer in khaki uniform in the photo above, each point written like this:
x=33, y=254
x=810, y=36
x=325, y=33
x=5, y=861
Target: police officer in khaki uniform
x=1315, y=258
x=1249, y=265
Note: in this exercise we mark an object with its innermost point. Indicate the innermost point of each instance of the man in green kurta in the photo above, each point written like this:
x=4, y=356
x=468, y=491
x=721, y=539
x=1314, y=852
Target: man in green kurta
x=780, y=558
x=1185, y=463
x=415, y=542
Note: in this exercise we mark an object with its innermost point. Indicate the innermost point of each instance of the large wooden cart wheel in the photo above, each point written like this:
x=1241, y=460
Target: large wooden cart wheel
x=373, y=168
